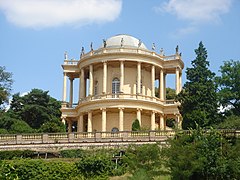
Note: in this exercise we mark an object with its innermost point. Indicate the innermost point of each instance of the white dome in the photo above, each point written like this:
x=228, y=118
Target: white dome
x=123, y=40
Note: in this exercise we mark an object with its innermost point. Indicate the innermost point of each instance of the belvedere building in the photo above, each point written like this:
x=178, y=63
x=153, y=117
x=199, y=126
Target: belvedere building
x=117, y=84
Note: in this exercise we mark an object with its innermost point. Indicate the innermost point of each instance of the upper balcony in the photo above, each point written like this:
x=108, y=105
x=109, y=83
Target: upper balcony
x=120, y=96
x=139, y=51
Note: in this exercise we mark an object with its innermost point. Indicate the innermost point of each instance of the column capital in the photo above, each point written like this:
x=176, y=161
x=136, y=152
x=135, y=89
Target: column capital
x=71, y=78
x=139, y=109
x=103, y=109
x=104, y=62
x=121, y=108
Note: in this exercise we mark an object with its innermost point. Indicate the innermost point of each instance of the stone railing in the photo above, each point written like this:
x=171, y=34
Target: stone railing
x=122, y=50
x=119, y=96
x=96, y=137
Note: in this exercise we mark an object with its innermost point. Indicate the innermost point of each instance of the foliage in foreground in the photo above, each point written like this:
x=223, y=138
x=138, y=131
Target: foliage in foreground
x=144, y=160
x=203, y=155
x=37, y=169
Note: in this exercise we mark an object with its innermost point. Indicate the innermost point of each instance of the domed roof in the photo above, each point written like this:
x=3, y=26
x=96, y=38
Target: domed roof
x=123, y=40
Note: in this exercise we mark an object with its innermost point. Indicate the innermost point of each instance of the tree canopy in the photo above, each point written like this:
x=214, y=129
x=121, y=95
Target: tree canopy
x=5, y=85
x=229, y=87
x=198, y=98
x=36, y=111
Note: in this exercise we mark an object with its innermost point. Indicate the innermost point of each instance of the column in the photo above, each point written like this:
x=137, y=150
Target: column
x=161, y=121
x=161, y=82
x=64, y=120
x=79, y=90
x=69, y=126
x=153, y=81
x=82, y=91
x=71, y=92
x=121, y=119
x=138, y=78
x=104, y=119
x=64, y=87
x=153, y=120
x=90, y=80
x=139, y=116
x=80, y=123
x=89, y=121
x=121, y=75
x=180, y=82
x=177, y=80
x=164, y=86
x=104, y=77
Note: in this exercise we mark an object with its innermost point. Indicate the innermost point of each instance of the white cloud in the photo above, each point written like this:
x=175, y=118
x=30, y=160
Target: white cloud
x=197, y=10
x=51, y=13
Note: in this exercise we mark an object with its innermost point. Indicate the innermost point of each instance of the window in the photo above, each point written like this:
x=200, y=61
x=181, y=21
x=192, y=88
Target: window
x=115, y=86
x=114, y=130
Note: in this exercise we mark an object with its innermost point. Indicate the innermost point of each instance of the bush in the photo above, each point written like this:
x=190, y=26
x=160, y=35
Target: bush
x=38, y=169
x=73, y=153
x=8, y=155
x=203, y=155
x=136, y=125
x=146, y=158
x=3, y=131
x=95, y=166
x=231, y=122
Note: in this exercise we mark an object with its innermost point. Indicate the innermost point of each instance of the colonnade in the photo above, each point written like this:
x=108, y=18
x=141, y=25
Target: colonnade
x=80, y=122
x=82, y=84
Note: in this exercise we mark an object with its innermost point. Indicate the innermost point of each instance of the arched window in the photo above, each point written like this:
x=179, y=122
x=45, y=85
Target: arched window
x=115, y=86
x=114, y=130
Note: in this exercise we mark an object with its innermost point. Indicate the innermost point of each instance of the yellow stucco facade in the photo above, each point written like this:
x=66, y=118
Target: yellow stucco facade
x=117, y=85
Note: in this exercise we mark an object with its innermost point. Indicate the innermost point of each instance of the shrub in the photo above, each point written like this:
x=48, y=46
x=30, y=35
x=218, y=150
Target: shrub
x=8, y=155
x=146, y=158
x=96, y=165
x=136, y=125
x=73, y=153
x=38, y=169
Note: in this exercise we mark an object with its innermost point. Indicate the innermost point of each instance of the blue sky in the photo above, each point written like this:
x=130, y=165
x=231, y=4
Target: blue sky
x=34, y=34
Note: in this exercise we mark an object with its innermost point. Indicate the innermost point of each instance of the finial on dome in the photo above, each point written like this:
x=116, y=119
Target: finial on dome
x=122, y=42
x=139, y=43
x=82, y=52
x=177, y=48
x=65, y=55
x=104, y=43
x=91, y=46
x=162, y=52
x=153, y=46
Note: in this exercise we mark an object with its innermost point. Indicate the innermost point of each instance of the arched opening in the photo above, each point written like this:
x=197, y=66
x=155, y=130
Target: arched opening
x=115, y=86
x=114, y=130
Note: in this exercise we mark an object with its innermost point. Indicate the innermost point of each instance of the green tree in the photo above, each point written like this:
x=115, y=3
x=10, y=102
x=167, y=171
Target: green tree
x=170, y=93
x=202, y=155
x=136, y=125
x=5, y=85
x=199, y=98
x=39, y=110
x=229, y=87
